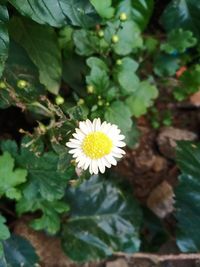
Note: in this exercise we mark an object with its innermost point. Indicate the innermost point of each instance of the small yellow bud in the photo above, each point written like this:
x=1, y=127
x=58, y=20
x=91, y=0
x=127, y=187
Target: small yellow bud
x=100, y=103
x=119, y=62
x=2, y=85
x=59, y=100
x=115, y=39
x=123, y=16
x=90, y=89
x=101, y=34
x=22, y=84
x=42, y=127
x=80, y=102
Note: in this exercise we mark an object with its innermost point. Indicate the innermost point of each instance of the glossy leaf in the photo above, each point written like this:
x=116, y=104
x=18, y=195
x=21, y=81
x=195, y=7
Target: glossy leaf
x=166, y=65
x=102, y=221
x=182, y=14
x=142, y=98
x=138, y=10
x=9, y=178
x=4, y=234
x=129, y=38
x=126, y=76
x=187, y=197
x=18, y=252
x=4, y=39
x=41, y=45
x=104, y=8
x=178, y=41
x=119, y=114
x=58, y=13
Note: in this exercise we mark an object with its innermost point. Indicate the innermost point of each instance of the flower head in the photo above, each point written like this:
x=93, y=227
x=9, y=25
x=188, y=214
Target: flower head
x=96, y=145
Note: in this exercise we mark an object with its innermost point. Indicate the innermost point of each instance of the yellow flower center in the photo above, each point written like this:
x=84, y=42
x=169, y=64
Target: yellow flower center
x=96, y=145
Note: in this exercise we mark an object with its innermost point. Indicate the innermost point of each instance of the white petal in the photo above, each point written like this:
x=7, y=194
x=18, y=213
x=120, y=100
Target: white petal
x=118, y=150
x=75, y=141
x=105, y=162
x=94, y=166
x=89, y=125
x=80, y=133
x=120, y=137
x=90, y=169
x=111, y=160
x=78, y=136
x=120, y=144
x=72, y=151
x=101, y=166
x=103, y=126
x=96, y=124
x=117, y=155
x=72, y=145
x=83, y=127
x=87, y=163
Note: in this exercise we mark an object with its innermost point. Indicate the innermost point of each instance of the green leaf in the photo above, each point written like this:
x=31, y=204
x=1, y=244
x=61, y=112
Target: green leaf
x=103, y=8
x=4, y=234
x=182, y=14
x=4, y=40
x=187, y=197
x=139, y=11
x=97, y=62
x=103, y=221
x=86, y=42
x=40, y=42
x=178, y=41
x=126, y=75
x=119, y=114
x=142, y=98
x=166, y=65
x=99, y=79
x=10, y=178
x=129, y=37
x=51, y=210
x=58, y=13
x=19, y=67
x=18, y=252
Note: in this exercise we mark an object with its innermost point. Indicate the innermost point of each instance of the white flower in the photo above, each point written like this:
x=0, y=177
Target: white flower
x=96, y=145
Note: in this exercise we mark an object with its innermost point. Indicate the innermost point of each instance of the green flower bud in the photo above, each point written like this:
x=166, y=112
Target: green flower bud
x=2, y=85
x=119, y=62
x=123, y=16
x=22, y=84
x=59, y=100
x=100, y=103
x=107, y=104
x=115, y=39
x=101, y=34
x=90, y=89
x=80, y=102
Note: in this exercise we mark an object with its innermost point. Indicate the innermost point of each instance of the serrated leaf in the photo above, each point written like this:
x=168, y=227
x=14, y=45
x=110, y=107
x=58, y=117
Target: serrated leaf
x=10, y=178
x=126, y=76
x=166, y=65
x=178, y=41
x=119, y=114
x=103, y=221
x=40, y=42
x=18, y=252
x=104, y=8
x=142, y=98
x=139, y=11
x=85, y=42
x=58, y=13
x=129, y=38
x=50, y=220
x=4, y=40
x=19, y=66
x=97, y=62
x=187, y=197
x=99, y=79
x=4, y=234
x=182, y=14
